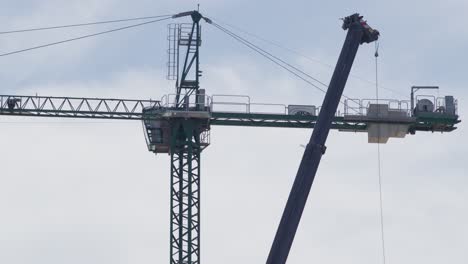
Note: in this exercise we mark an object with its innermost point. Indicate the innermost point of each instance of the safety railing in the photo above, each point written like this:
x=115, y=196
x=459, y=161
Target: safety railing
x=230, y=103
x=205, y=138
x=441, y=106
x=339, y=112
x=262, y=108
x=190, y=103
x=243, y=104
x=361, y=106
x=353, y=107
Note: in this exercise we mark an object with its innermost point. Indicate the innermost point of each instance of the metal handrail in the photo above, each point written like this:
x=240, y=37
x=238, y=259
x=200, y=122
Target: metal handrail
x=231, y=103
x=362, y=105
x=247, y=110
x=285, y=107
x=167, y=101
x=248, y=105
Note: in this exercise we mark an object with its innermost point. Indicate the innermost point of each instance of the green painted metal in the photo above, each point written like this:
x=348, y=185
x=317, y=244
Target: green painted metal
x=265, y=123
x=276, y=120
x=426, y=122
x=435, y=122
x=185, y=152
x=185, y=140
x=186, y=146
x=185, y=191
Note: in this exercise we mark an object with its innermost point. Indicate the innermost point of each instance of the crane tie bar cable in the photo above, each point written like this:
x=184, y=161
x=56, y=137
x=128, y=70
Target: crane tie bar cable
x=83, y=37
x=300, y=54
x=82, y=24
x=276, y=60
x=266, y=53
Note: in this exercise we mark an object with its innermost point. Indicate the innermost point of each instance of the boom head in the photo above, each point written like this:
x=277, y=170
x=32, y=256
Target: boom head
x=355, y=20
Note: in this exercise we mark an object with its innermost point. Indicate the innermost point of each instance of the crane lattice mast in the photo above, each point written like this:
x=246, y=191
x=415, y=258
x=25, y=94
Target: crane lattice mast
x=179, y=124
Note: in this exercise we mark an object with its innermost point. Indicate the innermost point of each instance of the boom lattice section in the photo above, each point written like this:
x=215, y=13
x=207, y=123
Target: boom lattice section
x=76, y=107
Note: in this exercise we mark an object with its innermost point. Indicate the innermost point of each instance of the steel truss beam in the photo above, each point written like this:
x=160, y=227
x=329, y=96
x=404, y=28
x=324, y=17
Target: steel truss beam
x=185, y=192
x=127, y=109
x=75, y=107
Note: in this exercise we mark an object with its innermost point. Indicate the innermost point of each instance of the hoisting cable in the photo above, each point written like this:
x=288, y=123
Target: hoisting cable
x=283, y=64
x=83, y=37
x=82, y=24
x=379, y=169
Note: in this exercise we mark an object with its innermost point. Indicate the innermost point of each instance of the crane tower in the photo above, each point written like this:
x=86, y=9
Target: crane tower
x=179, y=124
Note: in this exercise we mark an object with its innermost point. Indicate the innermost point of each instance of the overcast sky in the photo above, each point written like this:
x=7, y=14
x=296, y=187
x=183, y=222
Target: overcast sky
x=78, y=191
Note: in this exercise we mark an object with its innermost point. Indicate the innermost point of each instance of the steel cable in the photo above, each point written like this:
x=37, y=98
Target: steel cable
x=82, y=37
x=274, y=43
x=276, y=60
x=81, y=24
x=379, y=163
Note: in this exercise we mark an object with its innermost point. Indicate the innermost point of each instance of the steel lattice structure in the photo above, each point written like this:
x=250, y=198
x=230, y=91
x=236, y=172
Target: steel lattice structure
x=181, y=128
x=75, y=107
x=185, y=191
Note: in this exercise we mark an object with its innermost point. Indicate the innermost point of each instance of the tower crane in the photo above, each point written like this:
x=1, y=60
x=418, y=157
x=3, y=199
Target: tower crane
x=179, y=125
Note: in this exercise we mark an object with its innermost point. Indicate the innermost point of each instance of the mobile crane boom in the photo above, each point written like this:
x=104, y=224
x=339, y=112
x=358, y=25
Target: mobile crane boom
x=358, y=32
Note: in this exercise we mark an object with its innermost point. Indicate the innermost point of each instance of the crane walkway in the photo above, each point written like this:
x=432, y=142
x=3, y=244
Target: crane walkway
x=388, y=118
